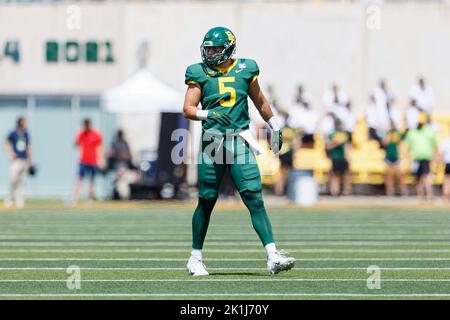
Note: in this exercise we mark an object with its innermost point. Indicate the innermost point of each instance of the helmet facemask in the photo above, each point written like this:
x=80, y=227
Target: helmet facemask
x=220, y=55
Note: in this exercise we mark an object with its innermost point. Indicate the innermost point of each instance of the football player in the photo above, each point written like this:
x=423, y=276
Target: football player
x=222, y=83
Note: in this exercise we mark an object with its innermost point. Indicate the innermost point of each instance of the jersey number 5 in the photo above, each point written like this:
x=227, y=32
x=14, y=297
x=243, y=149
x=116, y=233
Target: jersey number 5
x=223, y=89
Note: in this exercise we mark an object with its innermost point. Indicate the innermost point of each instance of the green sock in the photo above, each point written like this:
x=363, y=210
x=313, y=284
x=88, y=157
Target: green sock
x=260, y=219
x=200, y=222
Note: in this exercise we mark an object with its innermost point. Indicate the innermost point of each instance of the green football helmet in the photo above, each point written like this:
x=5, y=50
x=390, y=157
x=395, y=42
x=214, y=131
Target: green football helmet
x=223, y=40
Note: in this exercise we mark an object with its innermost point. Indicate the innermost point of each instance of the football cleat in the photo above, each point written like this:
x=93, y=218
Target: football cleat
x=278, y=262
x=196, y=267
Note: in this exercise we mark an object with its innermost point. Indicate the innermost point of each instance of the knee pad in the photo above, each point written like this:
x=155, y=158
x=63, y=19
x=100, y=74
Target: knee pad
x=253, y=199
x=208, y=195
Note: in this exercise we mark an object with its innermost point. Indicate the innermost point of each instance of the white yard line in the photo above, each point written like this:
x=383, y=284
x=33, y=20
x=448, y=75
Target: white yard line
x=217, y=269
x=72, y=295
x=243, y=223
x=235, y=251
x=227, y=280
x=101, y=233
x=227, y=236
x=220, y=259
x=246, y=243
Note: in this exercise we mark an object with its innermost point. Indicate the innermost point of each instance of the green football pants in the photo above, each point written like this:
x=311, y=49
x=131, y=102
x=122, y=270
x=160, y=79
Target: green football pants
x=235, y=156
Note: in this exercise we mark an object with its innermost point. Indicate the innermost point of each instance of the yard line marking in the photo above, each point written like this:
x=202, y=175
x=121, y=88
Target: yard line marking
x=186, y=237
x=218, y=269
x=147, y=222
x=224, y=221
x=224, y=295
x=248, y=243
x=226, y=280
x=237, y=236
x=220, y=259
x=12, y=234
x=221, y=251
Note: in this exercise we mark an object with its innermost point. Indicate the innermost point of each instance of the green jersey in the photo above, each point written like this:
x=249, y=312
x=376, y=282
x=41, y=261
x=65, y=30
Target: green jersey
x=341, y=138
x=393, y=138
x=225, y=90
x=422, y=143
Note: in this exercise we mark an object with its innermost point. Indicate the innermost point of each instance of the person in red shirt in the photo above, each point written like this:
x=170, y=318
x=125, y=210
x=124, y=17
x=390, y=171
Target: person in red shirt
x=89, y=141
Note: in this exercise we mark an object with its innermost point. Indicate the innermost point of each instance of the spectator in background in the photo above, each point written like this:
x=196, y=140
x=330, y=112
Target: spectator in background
x=444, y=151
x=271, y=97
x=89, y=141
x=257, y=123
x=383, y=100
x=303, y=118
x=395, y=118
x=326, y=124
x=373, y=120
x=382, y=94
x=302, y=95
x=424, y=95
x=119, y=160
x=412, y=115
x=119, y=155
x=334, y=97
x=422, y=143
x=347, y=117
x=18, y=149
x=391, y=145
x=301, y=124
x=290, y=145
x=337, y=149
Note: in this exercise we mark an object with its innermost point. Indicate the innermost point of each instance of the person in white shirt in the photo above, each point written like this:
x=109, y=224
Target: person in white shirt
x=424, y=95
x=382, y=94
x=383, y=99
x=257, y=123
x=412, y=115
x=348, y=118
x=334, y=97
x=372, y=120
x=271, y=97
x=395, y=118
x=302, y=95
x=303, y=117
x=326, y=124
x=444, y=151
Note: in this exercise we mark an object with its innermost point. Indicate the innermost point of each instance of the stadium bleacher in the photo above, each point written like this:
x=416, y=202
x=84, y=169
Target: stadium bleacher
x=366, y=158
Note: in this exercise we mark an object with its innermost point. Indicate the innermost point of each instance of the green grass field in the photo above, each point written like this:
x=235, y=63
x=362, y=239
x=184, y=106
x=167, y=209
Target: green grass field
x=141, y=253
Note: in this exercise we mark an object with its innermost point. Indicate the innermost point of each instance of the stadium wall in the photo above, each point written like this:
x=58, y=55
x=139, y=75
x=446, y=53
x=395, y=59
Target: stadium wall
x=314, y=44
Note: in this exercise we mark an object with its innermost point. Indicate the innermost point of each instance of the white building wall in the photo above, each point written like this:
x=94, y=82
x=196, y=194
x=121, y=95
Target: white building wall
x=313, y=44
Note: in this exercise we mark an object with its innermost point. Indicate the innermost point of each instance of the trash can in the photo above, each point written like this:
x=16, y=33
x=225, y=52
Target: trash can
x=302, y=187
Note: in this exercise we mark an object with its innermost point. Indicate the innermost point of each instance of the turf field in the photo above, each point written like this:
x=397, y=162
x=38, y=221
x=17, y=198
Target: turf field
x=140, y=252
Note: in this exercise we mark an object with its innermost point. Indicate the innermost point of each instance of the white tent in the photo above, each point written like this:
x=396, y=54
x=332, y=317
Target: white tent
x=138, y=103
x=142, y=93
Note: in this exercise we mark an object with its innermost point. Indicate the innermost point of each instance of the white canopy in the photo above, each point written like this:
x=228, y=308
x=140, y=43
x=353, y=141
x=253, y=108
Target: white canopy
x=142, y=93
